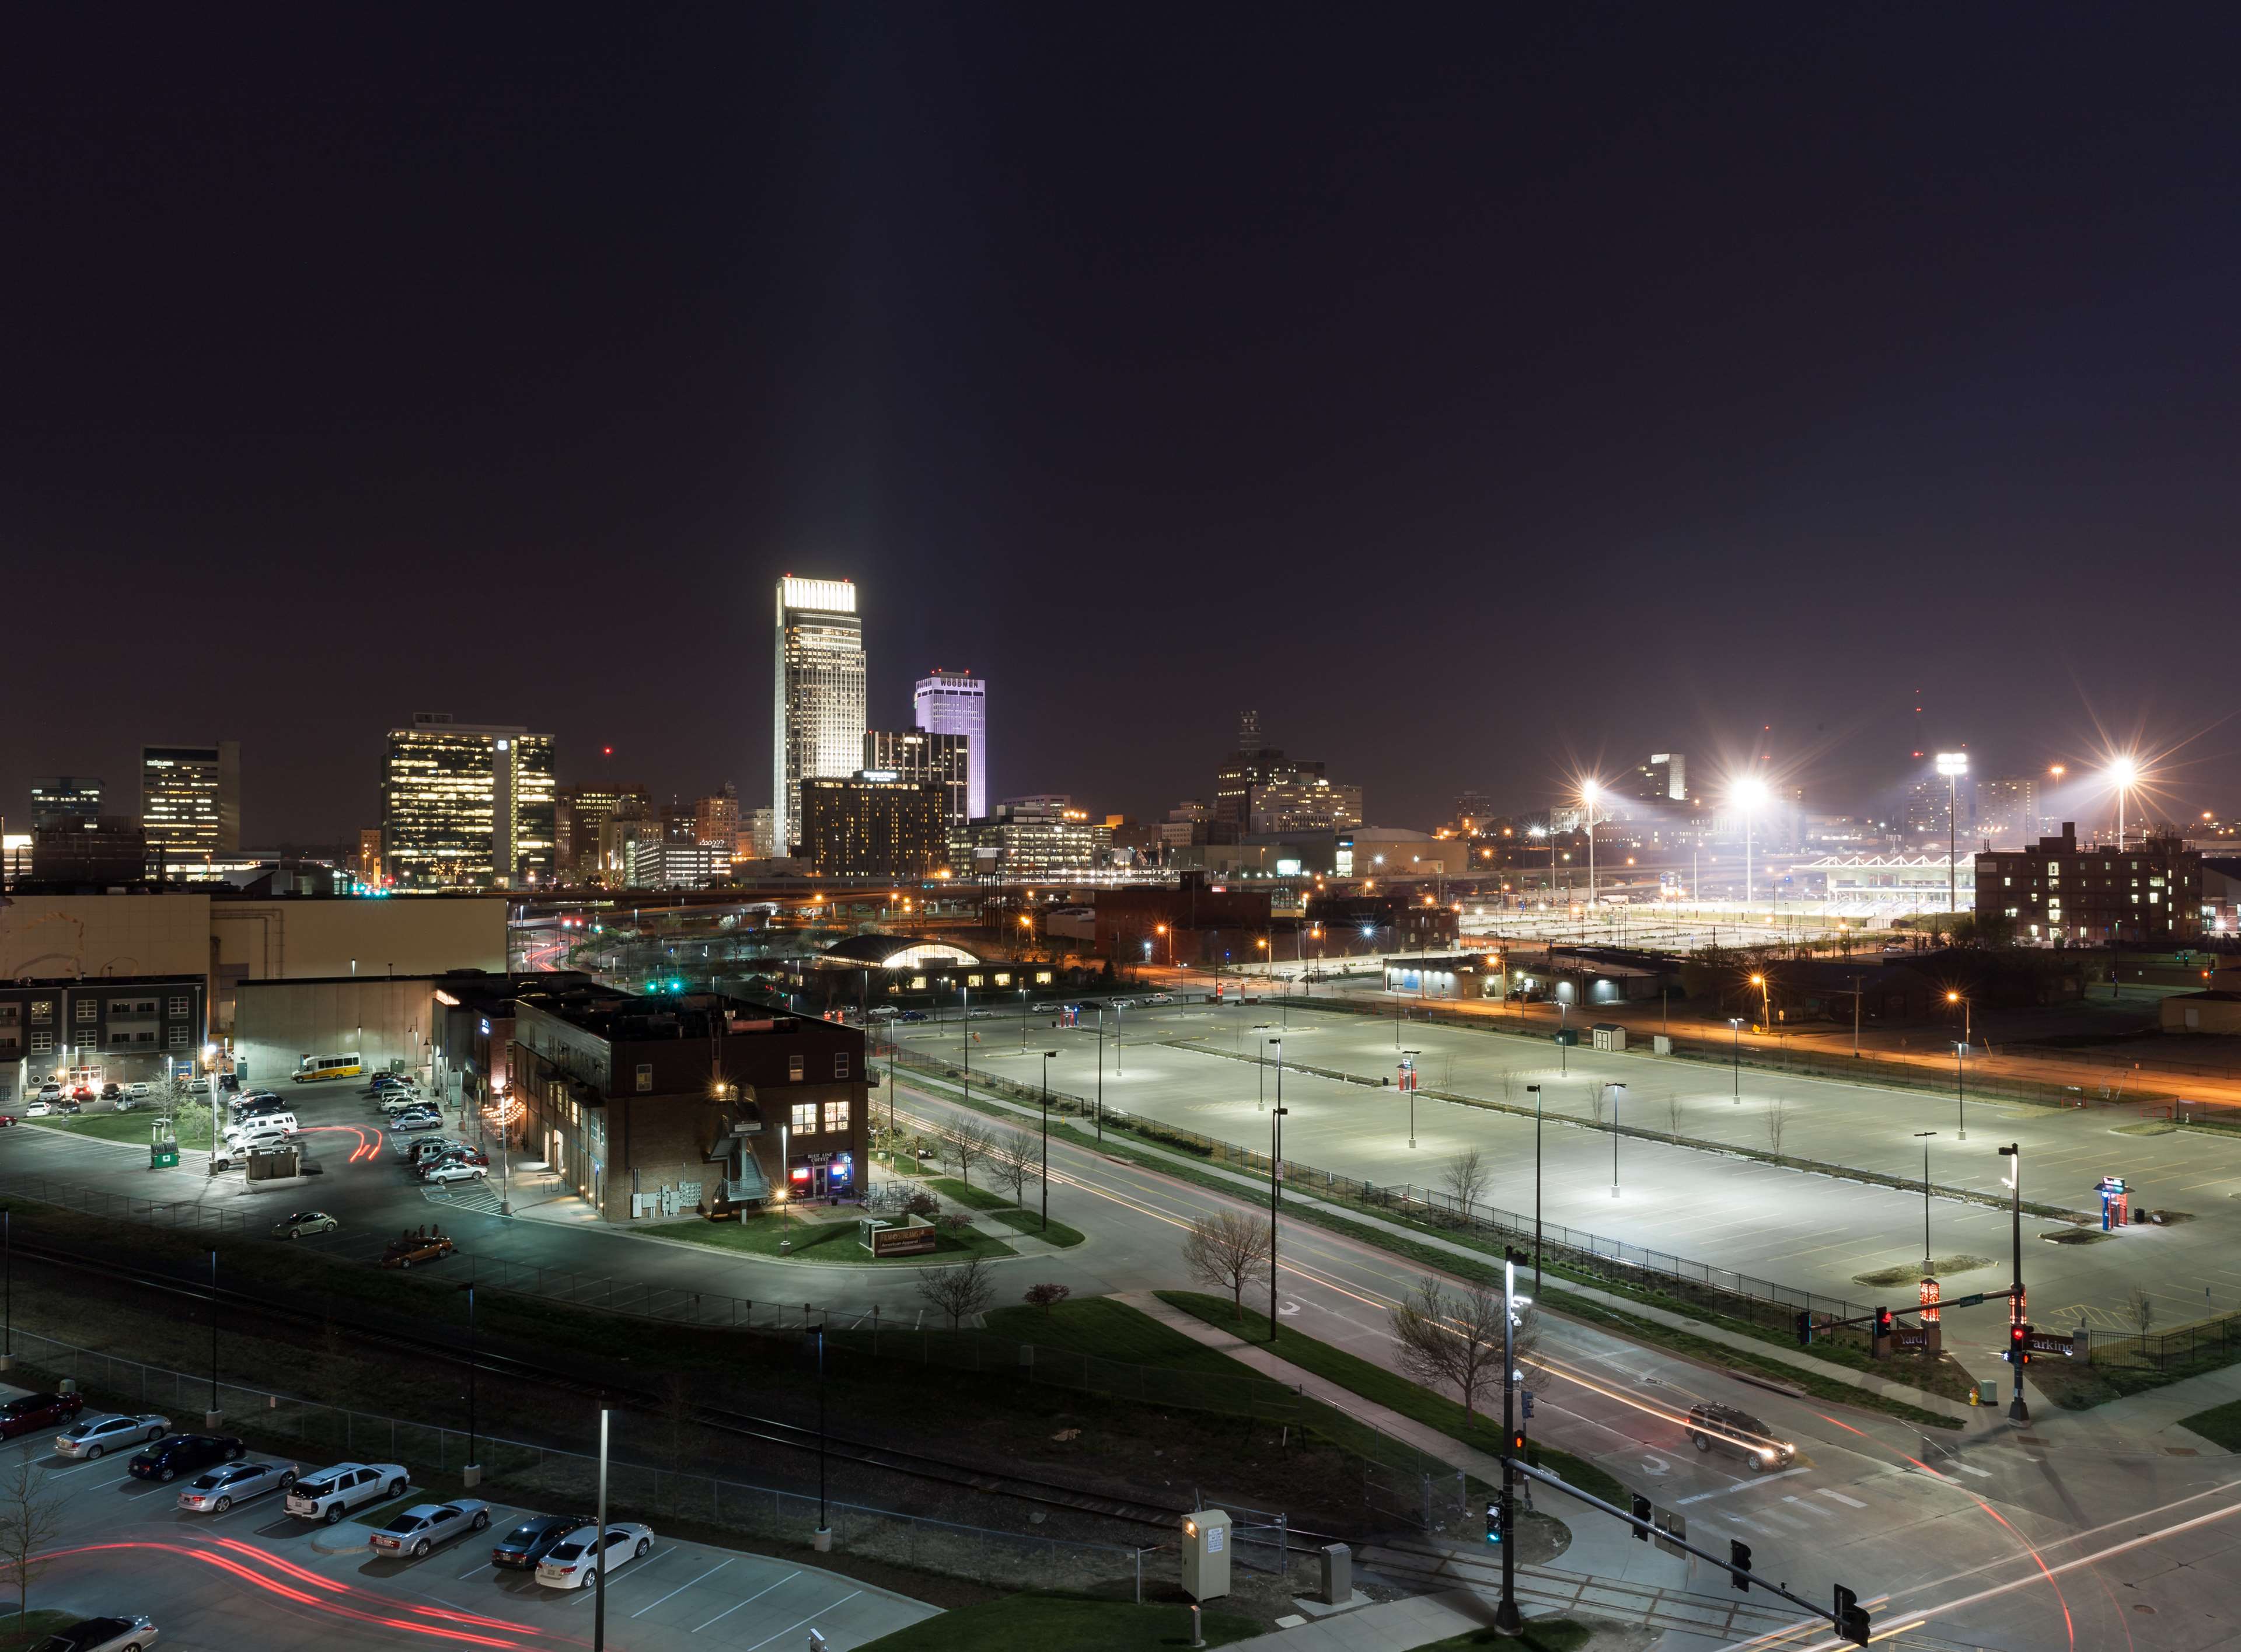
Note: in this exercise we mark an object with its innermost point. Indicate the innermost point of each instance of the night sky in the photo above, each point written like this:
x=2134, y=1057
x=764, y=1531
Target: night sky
x=1481, y=395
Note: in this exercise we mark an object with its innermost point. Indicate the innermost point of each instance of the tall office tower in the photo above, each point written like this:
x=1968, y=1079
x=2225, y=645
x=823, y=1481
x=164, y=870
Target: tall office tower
x=817, y=710
x=941, y=760
x=1255, y=763
x=956, y=702
x=468, y=805
x=1664, y=779
x=65, y=797
x=191, y=799
x=369, y=856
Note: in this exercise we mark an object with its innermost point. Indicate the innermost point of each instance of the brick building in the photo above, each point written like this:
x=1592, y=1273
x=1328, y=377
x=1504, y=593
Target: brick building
x=651, y=1106
x=2064, y=893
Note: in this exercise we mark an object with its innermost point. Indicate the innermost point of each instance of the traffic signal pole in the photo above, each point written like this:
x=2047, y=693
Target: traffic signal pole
x=1844, y=1615
x=2018, y=1411
x=1507, y=1618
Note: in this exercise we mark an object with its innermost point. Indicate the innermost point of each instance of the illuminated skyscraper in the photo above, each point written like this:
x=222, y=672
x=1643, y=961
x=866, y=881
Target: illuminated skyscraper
x=956, y=702
x=468, y=805
x=817, y=711
x=191, y=799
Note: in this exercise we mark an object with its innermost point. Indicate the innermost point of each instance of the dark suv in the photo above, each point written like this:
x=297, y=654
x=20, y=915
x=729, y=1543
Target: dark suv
x=182, y=1454
x=1730, y=1429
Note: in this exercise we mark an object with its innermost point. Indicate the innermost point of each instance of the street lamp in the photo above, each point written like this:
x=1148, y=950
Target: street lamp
x=1023, y=1020
x=1045, y=1171
x=1535, y=1091
x=1736, y=1032
x=1953, y=766
x=504, y=1140
x=1275, y=1180
x=1960, y=1101
x=1260, y=1100
x=1617, y=1094
x=1766, y=998
x=1408, y=1058
x=1923, y=1136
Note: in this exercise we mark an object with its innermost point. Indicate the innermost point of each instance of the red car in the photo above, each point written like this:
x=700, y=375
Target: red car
x=6, y=1118
x=35, y=1411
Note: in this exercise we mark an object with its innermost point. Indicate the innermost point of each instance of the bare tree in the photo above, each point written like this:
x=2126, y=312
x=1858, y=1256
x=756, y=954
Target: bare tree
x=1451, y=1339
x=1778, y=1114
x=30, y=1519
x=2142, y=1307
x=969, y=1144
x=1013, y=1162
x=1228, y=1252
x=962, y=1288
x=1673, y=1111
x=1466, y=1178
x=1598, y=1099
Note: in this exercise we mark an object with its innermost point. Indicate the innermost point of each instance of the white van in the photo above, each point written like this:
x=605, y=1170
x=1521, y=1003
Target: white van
x=266, y=1129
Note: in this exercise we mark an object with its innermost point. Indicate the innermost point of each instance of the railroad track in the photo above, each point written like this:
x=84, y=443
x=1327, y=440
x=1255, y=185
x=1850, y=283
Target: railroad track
x=739, y=1424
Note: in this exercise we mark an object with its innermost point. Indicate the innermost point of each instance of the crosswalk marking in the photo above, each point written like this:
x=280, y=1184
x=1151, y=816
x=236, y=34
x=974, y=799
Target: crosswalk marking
x=1810, y=1508
x=1849, y=1502
x=1967, y=1469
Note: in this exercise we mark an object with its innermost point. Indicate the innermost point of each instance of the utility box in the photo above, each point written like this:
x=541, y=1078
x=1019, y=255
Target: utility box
x=1205, y=1553
x=1660, y=1045
x=1338, y=1574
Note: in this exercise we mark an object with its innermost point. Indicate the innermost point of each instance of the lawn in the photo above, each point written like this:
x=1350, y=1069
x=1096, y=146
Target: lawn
x=1030, y=1224
x=1109, y=1330
x=1395, y=1392
x=823, y=1242
x=192, y=1125
x=1039, y=1623
x=2221, y=1424
x=971, y=1197
x=21, y=1634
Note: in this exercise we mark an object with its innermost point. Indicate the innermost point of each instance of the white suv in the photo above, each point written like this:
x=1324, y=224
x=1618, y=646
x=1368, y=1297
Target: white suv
x=329, y=1493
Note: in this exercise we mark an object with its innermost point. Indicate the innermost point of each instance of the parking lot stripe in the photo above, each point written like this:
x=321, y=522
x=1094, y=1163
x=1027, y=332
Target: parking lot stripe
x=681, y=1587
x=757, y=1596
x=56, y=1473
x=1742, y=1485
x=485, y=1566
x=811, y=1618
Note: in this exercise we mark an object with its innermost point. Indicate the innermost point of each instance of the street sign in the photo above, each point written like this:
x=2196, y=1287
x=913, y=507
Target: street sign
x=2048, y=1342
x=1672, y=1530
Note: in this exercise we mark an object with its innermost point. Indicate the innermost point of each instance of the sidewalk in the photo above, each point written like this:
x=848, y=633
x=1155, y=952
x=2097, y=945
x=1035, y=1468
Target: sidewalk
x=1390, y=1626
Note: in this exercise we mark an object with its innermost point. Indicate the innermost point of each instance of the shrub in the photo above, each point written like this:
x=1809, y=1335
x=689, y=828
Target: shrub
x=1047, y=1297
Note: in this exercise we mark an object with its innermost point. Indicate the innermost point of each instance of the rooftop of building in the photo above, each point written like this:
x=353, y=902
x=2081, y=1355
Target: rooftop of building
x=184, y=978
x=634, y=1018
x=894, y=952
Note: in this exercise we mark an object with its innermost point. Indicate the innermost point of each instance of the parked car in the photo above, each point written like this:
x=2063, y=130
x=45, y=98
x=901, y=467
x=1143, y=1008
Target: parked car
x=573, y=1563
x=40, y=1107
x=408, y=1248
x=103, y=1635
x=140, y=1090
x=95, y=1436
x=423, y=1118
x=449, y=1172
x=219, y=1490
x=401, y=1100
x=521, y=1549
x=305, y=1221
x=6, y=1118
x=182, y=1454
x=881, y=1012
x=37, y=1411
x=1725, y=1427
x=911, y=1015
x=420, y=1527
x=111, y=1091
x=50, y=1091
x=329, y=1493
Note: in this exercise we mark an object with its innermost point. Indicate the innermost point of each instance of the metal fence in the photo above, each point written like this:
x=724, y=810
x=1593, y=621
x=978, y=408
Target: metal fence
x=2206, y=1343
x=544, y=1475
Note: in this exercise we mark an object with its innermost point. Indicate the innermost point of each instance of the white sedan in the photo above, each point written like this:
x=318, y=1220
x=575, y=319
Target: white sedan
x=305, y=1221
x=89, y=1437
x=574, y=1562
x=102, y=1635
x=445, y=1176
x=218, y=1490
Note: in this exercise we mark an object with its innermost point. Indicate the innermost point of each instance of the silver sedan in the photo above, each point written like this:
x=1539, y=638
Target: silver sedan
x=103, y=1635
x=91, y=1436
x=218, y=1489
x=420, y=1527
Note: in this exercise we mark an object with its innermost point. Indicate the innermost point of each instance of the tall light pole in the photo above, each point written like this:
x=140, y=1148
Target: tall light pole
x=1953, y=766
x=1409, y=1077
x=1260, y=1097
x=1736, y=1042
x=1507, y=1618
x=1589, y=793
x=1276, y=1181
x=1101, y=1073
x=1617, y=1094
x=1923, y=1136
x=2018, y=1411
x=1749, y=795
x=2123, y=774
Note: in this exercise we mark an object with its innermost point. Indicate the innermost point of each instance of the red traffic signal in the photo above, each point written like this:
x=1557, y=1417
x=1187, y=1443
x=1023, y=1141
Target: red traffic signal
x=1517, y=1442
x=1883, y=1321
x=2019, y=1344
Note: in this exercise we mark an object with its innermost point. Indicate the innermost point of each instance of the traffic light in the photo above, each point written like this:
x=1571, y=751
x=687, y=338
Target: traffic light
x=1852, y=1618
x=2019, y=1344
x=1739, y=1558
x=1529, y=1405
x=1642, y=1514
x=1805, y=1329
x=1494, y=1520
x=1883, y=1321
x=1517, y=1442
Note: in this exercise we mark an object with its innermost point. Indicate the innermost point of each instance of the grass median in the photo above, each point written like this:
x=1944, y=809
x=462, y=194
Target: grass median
x=820, y=1241
x=1038, y=1622
x=1394, y=1392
